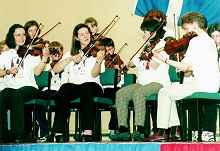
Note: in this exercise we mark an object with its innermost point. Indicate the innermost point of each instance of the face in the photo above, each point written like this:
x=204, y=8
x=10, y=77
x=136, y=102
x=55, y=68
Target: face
x=32, y=31
x=216, y=36
x=110, y=50
x=93, y=28
x=84, y=36
x=147, y=35
x=19, y=36
x=190, y=27
x=56, y=57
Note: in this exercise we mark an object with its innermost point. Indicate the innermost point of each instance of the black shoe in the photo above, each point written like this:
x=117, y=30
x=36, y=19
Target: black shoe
x=61, y=138
x=137, y=136
x=50, y=138
x=174, y=139
x=124, y=136
x=87, y=138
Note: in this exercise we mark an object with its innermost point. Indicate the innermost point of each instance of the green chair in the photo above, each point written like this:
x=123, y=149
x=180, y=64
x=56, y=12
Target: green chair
x=109, y=77
x=199, y=99
x=40, y=104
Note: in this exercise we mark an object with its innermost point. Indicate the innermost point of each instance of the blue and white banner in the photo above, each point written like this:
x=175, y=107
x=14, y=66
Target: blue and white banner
x=209, y=8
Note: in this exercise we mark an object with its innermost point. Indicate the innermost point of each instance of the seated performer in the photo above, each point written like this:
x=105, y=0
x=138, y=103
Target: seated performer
x=112, y=60
x=200, y=48
x=81, y=71
x=152, y=76
x=93, y=25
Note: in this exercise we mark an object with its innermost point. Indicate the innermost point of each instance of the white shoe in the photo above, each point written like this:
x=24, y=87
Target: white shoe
x=208, y=136
x=195, y=136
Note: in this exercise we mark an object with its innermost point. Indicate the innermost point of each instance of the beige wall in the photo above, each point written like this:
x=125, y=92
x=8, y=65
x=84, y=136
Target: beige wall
x=72, y=12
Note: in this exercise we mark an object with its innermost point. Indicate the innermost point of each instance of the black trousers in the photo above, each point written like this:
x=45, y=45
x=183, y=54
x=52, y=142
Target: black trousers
x=14, y=99
x=207, y=117
x=40, y=115
x=110, y=93
x=67, y=92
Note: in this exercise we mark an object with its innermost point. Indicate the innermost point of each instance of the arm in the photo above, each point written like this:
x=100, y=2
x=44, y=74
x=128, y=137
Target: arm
x=97, y=67
x=41, y=66
x=180, y=65
x=59, y=66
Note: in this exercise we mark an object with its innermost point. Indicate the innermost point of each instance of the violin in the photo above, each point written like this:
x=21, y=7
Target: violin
x=147, y=53
x=34, y=50
x=94, y=46
x=173, y=46
x=112, y=60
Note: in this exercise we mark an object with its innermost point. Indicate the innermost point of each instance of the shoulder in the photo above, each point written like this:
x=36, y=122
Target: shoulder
x=9, y=53
x=204, y=37
x=66, y=55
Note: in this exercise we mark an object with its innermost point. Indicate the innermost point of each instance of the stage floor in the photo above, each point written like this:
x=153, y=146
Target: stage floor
x=112, y=146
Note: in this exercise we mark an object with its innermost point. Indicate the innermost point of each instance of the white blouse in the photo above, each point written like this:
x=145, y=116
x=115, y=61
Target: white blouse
x=25, y=75
x=81, y=73
x=160, y=74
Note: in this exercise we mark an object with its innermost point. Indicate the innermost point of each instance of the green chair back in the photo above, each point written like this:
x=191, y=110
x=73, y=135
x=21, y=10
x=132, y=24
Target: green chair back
x=129, y=79
x=173, y=74
x=109, y=77
x=42, y=80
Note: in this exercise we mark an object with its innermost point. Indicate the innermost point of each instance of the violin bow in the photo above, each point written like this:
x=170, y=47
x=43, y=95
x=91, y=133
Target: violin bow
x=146, y=41
x=29, y=46
x=176, y=29
x=107, y=28
x=48, y=31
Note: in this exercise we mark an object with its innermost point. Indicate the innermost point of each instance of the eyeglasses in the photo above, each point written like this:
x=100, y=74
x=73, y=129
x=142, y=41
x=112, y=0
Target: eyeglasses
x=19, y=35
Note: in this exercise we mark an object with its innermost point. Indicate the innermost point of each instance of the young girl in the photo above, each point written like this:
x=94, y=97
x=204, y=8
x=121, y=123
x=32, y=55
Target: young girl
x=19, y=82
x=82, y=81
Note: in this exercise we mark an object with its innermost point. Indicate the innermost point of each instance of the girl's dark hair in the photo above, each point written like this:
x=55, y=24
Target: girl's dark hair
x=27, y=26
x=76, y=43
x=153, y=20
x=213, y=27
x=107, y=42
x=10, y=40
x=55, y=47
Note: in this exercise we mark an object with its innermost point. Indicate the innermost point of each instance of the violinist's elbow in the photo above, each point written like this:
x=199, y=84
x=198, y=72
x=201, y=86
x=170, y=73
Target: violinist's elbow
x=94, y=74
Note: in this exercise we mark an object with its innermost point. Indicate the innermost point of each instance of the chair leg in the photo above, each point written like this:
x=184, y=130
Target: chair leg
x=77, y=136
x=49, y=120
x=97, y=126
x=183, y=120
x=218, y=106
x=147, y=122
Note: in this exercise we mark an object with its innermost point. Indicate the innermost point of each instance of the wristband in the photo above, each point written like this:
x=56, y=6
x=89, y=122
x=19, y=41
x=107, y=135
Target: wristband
x=7, y=72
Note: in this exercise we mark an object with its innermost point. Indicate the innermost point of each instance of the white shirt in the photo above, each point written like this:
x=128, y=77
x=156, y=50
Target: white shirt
x=56, y=80
x=160, y=74
x=202, y=55
x=81, y=73
x=25, y=75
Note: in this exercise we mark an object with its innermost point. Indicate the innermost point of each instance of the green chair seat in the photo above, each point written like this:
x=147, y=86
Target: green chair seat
x=98, y=100
x=204, y=95
x=40, y=102
x=152, y=97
